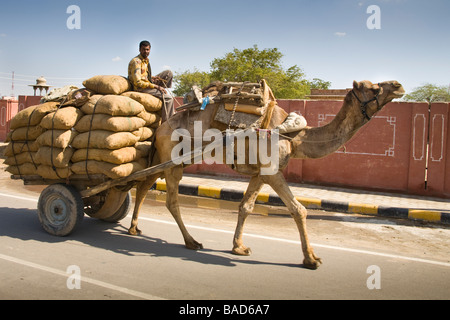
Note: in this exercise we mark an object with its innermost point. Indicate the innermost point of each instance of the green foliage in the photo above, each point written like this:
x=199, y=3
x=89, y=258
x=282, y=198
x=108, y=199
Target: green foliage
x=249, y=64
x=429, y=93
x=253, y=65
x=319, y=84
x=187, y=79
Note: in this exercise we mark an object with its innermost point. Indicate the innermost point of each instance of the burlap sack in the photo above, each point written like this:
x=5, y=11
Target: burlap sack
x=144, y=148
x=21, y=158
x=26, y=169
x=113, y=105
x=60, y=157
x=33, y=115
x=149, y=118
x=89, y=105
x=78, y=97
x=64, y=118
x=119, y=156
x=107, y=84
x=109, y=123
x=144, y=133
x=13, y=148
x=61, y=138
x=100, y=139
x=150, y=103
x=47, y=172
x=111, y=170
x=25, y=133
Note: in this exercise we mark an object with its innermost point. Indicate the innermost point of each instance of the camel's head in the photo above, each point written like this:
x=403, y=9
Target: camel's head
x=373, y=97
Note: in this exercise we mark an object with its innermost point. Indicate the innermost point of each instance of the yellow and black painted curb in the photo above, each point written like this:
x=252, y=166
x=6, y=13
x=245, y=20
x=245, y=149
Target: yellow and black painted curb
x=312, y=203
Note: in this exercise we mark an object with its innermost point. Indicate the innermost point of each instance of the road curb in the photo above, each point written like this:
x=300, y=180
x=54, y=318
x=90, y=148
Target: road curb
x=312, y=203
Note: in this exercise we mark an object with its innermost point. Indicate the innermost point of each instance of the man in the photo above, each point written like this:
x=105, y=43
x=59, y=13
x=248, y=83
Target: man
x=140, y=76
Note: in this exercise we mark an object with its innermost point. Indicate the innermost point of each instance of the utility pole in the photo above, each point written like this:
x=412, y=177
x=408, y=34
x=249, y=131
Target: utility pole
x=12, y=85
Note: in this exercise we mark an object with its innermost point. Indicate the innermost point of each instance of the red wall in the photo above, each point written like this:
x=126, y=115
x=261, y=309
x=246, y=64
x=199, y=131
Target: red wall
x=439, y=150
x=28, y=101
x=389, y=153
x=8, y=109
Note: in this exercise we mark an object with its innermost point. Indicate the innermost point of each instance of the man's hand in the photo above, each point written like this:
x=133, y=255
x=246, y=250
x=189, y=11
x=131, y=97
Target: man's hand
x=156, y=80
x=161, y=89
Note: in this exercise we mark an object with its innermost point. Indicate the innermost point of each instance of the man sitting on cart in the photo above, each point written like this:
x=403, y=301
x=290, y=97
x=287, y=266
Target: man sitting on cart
x=140, y=76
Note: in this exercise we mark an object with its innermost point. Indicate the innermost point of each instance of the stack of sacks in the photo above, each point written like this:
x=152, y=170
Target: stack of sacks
x=102, y=129
x=23, y=145
x=107, y=137
x=55, y=148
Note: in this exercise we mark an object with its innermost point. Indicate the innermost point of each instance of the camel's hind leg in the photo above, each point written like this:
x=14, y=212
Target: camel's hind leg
x=245, y=208
x=141, y=192
x=173, y=177
x=298, y=212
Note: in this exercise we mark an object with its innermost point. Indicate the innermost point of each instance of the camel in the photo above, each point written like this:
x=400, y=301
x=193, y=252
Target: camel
x=359, y=106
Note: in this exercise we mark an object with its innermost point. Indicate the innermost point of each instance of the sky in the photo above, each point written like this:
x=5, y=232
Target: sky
x=327, y=39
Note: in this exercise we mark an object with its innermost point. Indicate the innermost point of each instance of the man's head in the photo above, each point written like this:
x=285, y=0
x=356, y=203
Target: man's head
x=144, y=48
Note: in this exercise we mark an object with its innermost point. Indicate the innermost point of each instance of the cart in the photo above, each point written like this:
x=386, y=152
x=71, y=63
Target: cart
x=63, y=203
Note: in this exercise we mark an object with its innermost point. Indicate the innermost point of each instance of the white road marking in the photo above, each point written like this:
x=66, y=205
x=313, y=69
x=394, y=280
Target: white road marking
x=19, y=197
x=106, y=285
x=374, y=253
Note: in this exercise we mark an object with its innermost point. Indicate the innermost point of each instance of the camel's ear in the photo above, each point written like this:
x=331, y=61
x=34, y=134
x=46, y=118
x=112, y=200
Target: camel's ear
x=355, y=85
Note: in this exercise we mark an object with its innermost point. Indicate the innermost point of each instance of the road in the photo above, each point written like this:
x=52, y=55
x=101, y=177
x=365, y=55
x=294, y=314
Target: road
x=363, y=257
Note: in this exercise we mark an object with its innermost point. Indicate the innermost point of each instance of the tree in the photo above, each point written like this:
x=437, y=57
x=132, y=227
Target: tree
x=249, y=64
x=186, y=80
x=317, y=83
x=252, y=65
x=429, y=93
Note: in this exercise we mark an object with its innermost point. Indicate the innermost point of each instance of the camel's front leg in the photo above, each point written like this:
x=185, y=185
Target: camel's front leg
x=173, y=177
x=298, y=212
x=245, y=208
x=141, y=192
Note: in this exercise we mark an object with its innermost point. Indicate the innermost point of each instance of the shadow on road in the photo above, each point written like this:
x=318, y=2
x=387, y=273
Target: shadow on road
x=23, y=224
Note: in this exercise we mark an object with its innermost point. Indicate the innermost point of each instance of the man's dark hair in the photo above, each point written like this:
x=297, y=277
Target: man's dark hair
x=144, y=43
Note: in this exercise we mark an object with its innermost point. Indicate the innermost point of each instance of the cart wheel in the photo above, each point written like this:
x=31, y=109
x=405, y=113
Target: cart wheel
x=122, y=212
x=111, y=206
x=60, y=209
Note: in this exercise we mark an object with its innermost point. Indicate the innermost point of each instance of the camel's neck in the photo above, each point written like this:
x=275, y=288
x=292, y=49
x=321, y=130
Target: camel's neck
x=314, y=143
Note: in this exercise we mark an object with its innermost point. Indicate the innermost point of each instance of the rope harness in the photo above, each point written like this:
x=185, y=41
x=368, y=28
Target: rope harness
x=363, y=105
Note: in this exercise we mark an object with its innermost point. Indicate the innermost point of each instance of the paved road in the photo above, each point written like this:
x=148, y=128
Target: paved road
x=398, y=261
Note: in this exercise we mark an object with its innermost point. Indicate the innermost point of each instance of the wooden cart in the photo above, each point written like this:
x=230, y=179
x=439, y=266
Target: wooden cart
x=63, y=203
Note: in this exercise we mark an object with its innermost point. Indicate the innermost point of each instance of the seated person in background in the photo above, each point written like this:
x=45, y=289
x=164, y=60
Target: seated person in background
x=140, y=76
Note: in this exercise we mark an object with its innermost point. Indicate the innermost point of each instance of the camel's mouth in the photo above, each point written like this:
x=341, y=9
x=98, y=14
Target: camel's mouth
x=399, y=93
x=394, y=89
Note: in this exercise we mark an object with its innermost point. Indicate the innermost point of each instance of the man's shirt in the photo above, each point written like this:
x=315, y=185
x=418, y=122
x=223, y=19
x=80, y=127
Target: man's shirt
x=138, y=73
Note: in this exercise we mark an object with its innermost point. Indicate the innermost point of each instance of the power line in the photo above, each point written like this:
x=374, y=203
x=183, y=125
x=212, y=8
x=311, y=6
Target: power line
x=16, y=79
x=35, y=77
